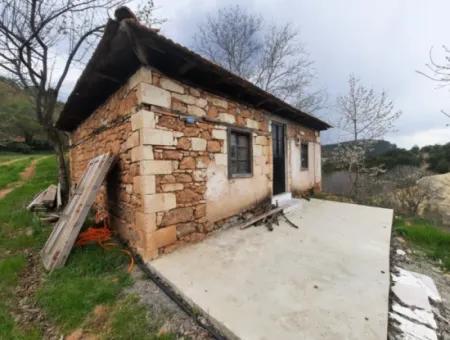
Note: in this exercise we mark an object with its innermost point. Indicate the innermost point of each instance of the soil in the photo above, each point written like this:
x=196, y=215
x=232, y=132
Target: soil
x=158, y=303
x=27, y=312
x=416, y=261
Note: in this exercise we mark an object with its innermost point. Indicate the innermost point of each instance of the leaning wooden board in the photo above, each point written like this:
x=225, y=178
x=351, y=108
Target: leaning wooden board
x=58, y=246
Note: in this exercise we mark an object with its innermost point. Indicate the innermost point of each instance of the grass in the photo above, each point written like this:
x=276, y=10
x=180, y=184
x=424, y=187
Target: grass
x=130, y=320
x=10, y=156
x=10, y=173
x=92, y=276
x=19, y=230
x=432, y=240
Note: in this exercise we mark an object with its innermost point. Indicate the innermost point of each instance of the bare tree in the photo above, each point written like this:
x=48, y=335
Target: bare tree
x=364, y=113
x=270, y=56
x=146, y=14
x=40, y=40
x=439, y=72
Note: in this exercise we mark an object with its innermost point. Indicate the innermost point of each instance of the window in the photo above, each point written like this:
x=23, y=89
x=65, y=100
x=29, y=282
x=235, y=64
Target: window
x=304, y=156
x=239, y=153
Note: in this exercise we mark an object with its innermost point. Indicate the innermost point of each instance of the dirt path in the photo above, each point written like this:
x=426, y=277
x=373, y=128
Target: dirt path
x=12, y=161
x=24, y=176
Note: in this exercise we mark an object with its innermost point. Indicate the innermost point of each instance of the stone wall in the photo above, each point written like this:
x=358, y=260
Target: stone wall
x=170, y=184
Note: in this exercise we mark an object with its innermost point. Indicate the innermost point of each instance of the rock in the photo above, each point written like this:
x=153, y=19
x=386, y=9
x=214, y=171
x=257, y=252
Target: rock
x=437, y=206
x=400, y=252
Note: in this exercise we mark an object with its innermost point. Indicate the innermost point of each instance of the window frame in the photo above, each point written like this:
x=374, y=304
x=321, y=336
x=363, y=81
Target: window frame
x=302, y=166
x=249, y=135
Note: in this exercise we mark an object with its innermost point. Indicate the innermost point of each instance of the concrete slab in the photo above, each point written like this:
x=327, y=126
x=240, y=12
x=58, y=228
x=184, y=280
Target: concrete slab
x=327, y=280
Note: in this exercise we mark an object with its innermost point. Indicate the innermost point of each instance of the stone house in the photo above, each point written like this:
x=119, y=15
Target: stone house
x=195, y=144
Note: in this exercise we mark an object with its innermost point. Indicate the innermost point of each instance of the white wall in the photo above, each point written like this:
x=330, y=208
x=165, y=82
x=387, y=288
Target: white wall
x=302, y=179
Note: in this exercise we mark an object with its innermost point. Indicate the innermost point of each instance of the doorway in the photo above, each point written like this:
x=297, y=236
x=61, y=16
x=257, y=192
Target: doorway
x=278, y=152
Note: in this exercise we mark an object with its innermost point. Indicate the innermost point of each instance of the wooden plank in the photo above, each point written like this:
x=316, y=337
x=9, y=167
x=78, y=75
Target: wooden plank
x=260, y=217
x=59, y=244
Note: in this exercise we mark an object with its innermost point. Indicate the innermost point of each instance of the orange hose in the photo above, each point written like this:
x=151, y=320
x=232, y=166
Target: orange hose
x=101, y=235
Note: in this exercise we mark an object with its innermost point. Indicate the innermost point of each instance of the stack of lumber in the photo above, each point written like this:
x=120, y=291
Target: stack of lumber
x=46, y=200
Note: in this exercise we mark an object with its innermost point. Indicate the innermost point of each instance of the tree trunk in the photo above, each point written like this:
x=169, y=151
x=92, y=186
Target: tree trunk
x=56, y=138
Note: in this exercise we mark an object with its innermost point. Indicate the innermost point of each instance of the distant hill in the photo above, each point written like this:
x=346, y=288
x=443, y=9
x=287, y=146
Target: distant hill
x=377, y=147
x=435, y=158
x=19, y=129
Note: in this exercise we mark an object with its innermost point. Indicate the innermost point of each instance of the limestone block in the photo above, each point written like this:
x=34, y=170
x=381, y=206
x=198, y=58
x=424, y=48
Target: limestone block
x=166, y=236
x=133, y=140
x=142, y=152
x=152, y=95
x=252, y=124
x=227, y=118
x=157, y=137
x=159, y=202
x=257, y=150
x=185, y=98
x=201, y=102
x=199, y=175
x=178, y=215
x=221, y=159
x=257, y=170
x=218, y=102
x=172, y=187
x=196, y=111
x=219, y=134
x=143, y=75
x=142, y=119
x=261, y=140
x=260, y=160
x=171, y=85
x=155, y=167
x=198, y=144
x=145, y=221
x=144, y=185
x=194, y=92
x=202, y=162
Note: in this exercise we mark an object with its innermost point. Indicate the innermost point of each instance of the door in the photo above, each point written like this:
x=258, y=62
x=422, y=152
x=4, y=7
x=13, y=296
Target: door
x=278, y=151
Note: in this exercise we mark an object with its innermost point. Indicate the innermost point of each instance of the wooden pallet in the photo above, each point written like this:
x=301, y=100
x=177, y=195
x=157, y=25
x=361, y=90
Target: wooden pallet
x=59, y=245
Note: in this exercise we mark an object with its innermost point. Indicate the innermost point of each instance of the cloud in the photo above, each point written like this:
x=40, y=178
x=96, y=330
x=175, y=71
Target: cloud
x=422, y=138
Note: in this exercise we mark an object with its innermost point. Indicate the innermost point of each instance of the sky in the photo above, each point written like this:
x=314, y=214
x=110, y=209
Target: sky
x=383, y=42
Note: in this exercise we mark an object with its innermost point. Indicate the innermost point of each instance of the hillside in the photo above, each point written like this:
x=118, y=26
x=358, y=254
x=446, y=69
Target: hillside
x=377, y=148
x=19, y=129
x=435, y=158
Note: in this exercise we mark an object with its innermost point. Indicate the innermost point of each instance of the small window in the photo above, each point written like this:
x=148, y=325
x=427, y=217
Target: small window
x=304, y=156
x=239, y=153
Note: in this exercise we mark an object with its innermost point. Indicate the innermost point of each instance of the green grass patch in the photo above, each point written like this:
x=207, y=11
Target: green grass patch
x=434, y=241
x=129, y=319
x=92, y=276
x=19, y=230
x=10, y=156
x=10, y=173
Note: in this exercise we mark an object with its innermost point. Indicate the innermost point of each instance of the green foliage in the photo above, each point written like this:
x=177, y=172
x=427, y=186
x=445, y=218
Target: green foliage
x=434, y=241
x=394, y=158
x=17, y=117
x=92, y=276
x=437, y=157
x=382, y=153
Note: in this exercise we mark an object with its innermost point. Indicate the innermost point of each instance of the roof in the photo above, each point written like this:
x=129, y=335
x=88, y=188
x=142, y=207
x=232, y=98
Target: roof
x=127, y=45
